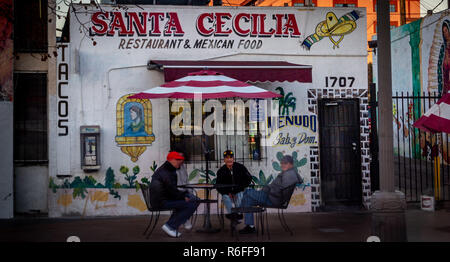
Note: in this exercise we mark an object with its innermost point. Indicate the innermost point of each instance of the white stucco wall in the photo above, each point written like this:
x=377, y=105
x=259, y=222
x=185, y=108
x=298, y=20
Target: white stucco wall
x=100, y=74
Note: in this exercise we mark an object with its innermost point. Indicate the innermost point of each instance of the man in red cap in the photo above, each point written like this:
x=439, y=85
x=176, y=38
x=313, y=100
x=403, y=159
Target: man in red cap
x=165, y=194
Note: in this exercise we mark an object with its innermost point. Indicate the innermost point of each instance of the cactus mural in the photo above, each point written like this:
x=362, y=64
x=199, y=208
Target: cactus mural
x=261, y=179
x=80, y=185
x=196, y=172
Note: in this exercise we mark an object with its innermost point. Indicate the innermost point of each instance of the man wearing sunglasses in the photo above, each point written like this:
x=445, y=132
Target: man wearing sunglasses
x=236, y=174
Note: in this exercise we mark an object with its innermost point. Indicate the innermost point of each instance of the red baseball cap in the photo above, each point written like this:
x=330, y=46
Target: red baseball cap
x=174, y=155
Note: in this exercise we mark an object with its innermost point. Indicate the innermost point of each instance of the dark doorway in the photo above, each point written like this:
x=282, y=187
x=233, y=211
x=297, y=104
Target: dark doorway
x=340, y=154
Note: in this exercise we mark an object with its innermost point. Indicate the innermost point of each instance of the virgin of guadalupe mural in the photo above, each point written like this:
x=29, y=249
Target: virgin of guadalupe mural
x=134, y=126
x=444, y=60
x=134, y=120
x=438, y=81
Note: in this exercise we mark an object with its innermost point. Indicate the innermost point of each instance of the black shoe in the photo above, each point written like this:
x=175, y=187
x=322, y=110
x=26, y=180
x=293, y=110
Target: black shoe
x=229, y=216
x=240, y=216
x=247, y=230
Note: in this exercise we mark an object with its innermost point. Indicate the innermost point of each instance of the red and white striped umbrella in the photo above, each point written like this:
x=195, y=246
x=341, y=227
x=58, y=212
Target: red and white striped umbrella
x=437, y=118
x=209, y=85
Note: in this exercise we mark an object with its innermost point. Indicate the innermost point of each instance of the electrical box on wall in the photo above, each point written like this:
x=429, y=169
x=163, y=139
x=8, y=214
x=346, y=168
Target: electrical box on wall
x=90, y=147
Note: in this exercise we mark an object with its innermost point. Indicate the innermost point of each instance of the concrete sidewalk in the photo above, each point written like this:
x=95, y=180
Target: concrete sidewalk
x=311, y=227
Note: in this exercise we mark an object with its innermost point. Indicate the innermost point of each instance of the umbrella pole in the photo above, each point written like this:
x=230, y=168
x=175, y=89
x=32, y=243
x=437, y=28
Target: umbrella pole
x=206, y=158
x=207, y=218
x=207, y=228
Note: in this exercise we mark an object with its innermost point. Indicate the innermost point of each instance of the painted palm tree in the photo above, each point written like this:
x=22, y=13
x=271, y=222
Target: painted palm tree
x=287, y=101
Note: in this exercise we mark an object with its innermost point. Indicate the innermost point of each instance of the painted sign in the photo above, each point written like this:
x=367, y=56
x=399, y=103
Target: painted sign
x=199, y=28
x=63, y=127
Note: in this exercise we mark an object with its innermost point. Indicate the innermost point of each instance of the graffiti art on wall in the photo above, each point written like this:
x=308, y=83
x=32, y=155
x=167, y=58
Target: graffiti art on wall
x=439, y=57
x=334, y=28
x=438, y=82
x=6, y=50
x=102, y=195
x=276, y=124
x=423, y=47
x=134, y=126
x=443, y=70
x=286, y=102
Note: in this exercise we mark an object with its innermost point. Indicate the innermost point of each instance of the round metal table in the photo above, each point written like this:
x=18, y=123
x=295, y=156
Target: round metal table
x=207, y=227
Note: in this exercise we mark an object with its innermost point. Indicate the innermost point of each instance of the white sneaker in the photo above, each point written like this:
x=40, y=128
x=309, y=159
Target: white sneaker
x=170, y=232
x=187, y=225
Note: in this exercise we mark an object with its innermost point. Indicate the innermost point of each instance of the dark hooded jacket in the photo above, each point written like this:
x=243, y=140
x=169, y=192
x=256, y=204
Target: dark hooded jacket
x=240, y=177
x=164, y=186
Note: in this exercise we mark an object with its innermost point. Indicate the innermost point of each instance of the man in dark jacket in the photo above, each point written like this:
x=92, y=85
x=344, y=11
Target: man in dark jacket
x=232, y=173
x=165, y=194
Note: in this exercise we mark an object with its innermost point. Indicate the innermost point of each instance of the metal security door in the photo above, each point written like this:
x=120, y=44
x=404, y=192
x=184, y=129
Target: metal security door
x=340, y=156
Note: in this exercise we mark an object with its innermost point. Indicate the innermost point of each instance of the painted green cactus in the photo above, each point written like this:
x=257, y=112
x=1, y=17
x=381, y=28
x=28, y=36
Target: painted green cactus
x=145, y=180
x=202, y=173
x=80, y=185
x=129, y=178
x=154, y=166
x=285, y=102
x=261, y=180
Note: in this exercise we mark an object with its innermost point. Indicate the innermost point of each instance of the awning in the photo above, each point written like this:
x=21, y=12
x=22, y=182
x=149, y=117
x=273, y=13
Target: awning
x=246, y=71
x=437, y=118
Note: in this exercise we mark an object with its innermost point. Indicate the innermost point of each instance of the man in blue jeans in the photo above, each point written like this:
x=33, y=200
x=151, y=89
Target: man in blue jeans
x=236, y=174
x=165, y=194
x=272, y=194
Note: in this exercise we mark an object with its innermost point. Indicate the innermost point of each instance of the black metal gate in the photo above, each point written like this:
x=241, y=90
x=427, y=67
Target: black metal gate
x=421, y=158
x=340, y=152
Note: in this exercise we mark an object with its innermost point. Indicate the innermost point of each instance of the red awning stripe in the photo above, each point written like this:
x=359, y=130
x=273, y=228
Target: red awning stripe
x=246, y=71
x=437, y=118
x=261, y=95
x=433, y=123
x=194, y=83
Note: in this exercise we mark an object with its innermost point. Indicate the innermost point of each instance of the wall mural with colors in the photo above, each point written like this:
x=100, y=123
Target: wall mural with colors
x=334, y=28
x=423, y=49
x=134, y=126
x=118, y=192
x=134, y=134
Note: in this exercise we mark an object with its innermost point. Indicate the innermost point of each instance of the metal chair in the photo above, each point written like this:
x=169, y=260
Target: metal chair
x=220, y=213
x=146, y=194
x=287, y=195
x=259, y=217
x=261, y=212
